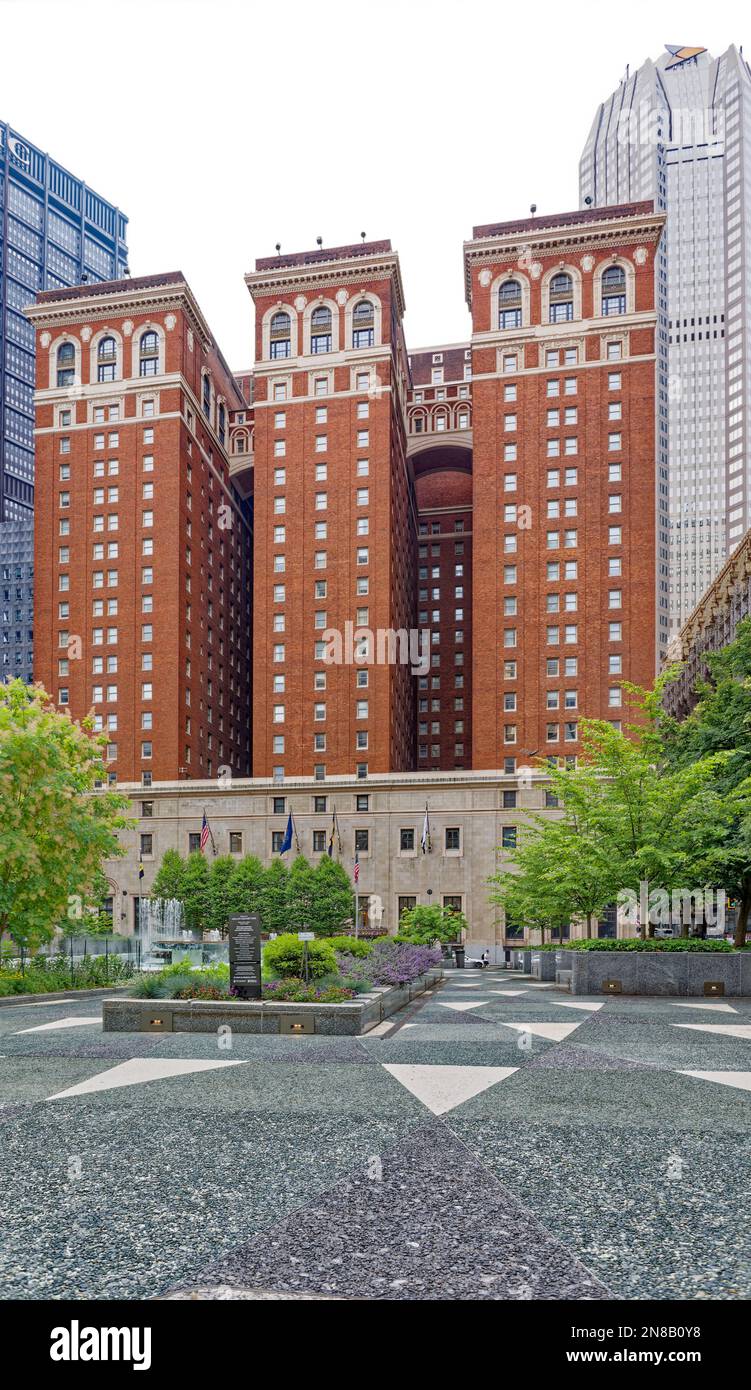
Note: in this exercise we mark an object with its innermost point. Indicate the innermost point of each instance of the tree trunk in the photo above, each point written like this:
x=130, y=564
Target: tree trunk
x=741, y=923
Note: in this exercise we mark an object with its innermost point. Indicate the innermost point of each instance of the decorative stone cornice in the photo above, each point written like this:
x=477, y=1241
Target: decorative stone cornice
x=717, y=600
x=569, y=242
x=290, y=280
x=126, y=300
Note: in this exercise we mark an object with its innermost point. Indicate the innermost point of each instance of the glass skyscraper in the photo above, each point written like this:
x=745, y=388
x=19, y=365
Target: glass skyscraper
x=55, y=232
x=678, y=131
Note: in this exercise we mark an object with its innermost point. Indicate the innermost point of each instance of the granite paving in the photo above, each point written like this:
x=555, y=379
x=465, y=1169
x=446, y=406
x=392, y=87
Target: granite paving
x=466, y=1154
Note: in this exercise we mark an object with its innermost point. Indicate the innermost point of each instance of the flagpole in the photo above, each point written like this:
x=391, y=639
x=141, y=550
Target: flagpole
x=357, y=909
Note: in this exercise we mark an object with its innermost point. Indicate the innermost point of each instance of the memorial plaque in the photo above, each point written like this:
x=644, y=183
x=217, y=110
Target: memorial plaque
x=611, y=987
x=245, y=955
x=714, y=987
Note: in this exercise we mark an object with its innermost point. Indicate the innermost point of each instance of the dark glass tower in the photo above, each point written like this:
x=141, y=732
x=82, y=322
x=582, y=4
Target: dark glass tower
x=54, y=232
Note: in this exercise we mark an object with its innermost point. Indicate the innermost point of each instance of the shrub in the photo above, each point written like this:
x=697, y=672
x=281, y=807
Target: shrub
x=677, y=943
x=390, y=963
x=149, y=987
x=196, y=990
x=284, y=956
x=13, y=982
x=350, y=945
x=295, y=991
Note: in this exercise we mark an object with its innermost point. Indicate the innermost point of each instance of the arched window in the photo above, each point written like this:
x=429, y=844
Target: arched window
x=66, y=364
x=320, y=329
x=561, y=308
x=106, y=359
x=206, y=397
x=281, y=335
x=614, y=290
x=510, y=304
x=148, y=353
x=222, y=423
x=363, y=324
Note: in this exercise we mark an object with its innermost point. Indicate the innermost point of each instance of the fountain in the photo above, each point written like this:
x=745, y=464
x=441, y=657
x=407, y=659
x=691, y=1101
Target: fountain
x=162, y=922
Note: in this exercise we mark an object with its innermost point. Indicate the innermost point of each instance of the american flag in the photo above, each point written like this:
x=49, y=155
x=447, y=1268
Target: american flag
x=205, y=832
x=357, y=869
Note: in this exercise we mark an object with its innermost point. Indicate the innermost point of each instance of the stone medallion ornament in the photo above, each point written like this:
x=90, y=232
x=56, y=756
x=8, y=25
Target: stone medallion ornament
x=341, y=297
x=485, y=278
x=190, y=340
x=86, y=333
x=44, y=339
x=587, y=262
x=536, y=270
x=300, y=303
x=640, y=255
x=127, y=327
x=169, y=322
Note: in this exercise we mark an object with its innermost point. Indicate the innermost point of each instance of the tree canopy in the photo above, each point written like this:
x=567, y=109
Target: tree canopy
x=55, y=829
x=319, y=898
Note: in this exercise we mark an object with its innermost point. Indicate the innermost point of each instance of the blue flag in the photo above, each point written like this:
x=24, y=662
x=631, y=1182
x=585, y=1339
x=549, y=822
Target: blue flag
x=287, y=841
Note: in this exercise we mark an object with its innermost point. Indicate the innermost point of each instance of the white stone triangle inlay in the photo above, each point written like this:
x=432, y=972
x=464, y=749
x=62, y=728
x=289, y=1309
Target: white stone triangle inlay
x=741, y=1080
x=139, y=1070
x=712, y=1004
x=555, y=1032
x=723, y=1030
x=443, y=1088
x=59, y=1023
x=508, y=993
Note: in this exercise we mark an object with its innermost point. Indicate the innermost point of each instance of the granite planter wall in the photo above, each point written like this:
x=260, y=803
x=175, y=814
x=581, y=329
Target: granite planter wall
x=543, y=965
x=353, y=1017
x=690, y=974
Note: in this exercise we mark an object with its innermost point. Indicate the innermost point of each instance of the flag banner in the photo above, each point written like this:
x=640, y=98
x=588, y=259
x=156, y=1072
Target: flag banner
x=287, y=841
x=357, y=868
x=205, y=832
x=425, y=842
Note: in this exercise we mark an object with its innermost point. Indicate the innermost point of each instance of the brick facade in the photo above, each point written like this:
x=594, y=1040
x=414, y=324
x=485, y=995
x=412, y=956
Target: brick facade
x=564, y=480
x=142, y=544
x=498, y=494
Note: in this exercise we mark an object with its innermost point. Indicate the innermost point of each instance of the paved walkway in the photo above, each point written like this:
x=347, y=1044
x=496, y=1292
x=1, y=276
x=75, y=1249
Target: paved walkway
x=502, y=1140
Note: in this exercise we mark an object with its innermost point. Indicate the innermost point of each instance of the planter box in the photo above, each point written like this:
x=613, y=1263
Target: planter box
x=50, y=996
x=521, y=960
x=689, y=974
x=353, y=1017
x=543, y=965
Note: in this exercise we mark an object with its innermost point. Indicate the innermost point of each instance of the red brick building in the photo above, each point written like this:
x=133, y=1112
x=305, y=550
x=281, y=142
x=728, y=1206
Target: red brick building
x=142, y=543
x=453, y=552
x=334, y=515
x=563, y=473
x=440, y=452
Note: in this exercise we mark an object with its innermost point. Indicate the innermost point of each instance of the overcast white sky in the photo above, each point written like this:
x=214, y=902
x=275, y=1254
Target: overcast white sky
x=221, y=128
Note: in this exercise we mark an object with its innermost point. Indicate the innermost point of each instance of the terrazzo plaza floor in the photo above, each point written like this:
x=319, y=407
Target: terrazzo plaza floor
x=497, y=1141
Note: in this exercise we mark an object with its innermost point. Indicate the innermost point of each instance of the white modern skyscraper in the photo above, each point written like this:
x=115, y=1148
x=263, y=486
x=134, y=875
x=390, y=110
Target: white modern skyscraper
x=678, y=131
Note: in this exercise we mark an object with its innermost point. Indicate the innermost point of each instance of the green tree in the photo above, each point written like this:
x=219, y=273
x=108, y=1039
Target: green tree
x=55, y=830
x=300, y=890
x=333, y=899
x=626, y=817
x=196, y=893
x=220, y=893
x=425, y=925
x=274, y=908
x=720, y=726
x=170, y=878
x=247, y=885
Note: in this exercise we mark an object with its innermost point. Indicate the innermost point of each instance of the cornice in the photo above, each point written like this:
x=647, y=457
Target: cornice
x=735, y=571
x=123, y=303
x=289, y=280
x=567, y=242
